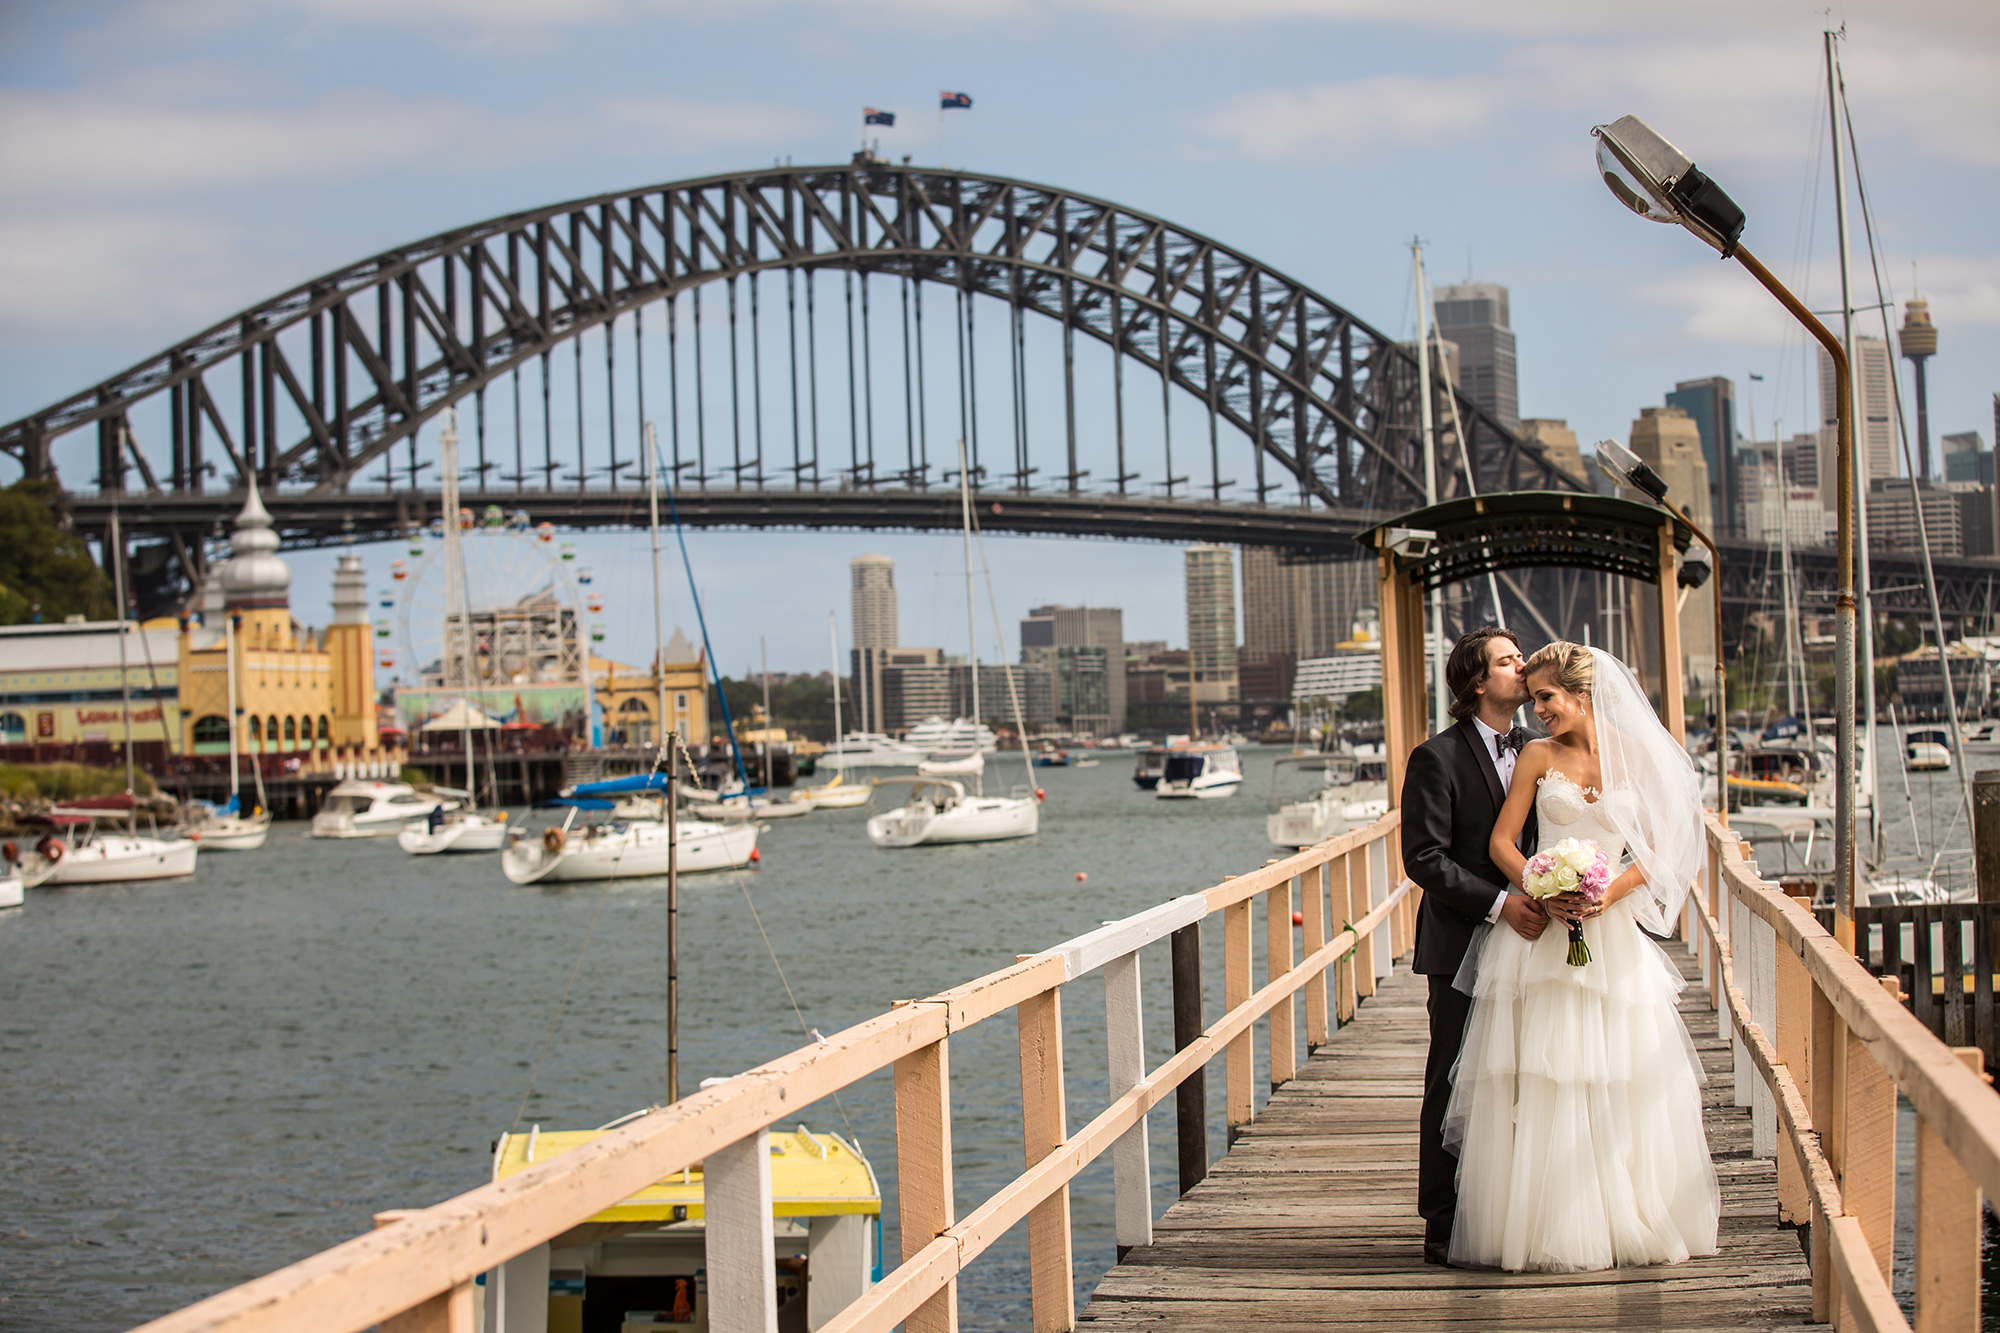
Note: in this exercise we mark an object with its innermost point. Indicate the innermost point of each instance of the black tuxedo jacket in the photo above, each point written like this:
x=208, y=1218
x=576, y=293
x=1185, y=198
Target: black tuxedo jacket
x=1451, y=800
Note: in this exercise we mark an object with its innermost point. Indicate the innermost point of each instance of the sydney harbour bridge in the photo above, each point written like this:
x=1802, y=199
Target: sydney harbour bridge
x=810, y=345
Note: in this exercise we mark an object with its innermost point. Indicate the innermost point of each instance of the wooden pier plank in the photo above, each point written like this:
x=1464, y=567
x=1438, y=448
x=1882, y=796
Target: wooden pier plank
x=1310, y=1219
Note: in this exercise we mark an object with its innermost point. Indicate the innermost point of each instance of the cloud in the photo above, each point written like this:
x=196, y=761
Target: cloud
x=1722, y=304
x=1361, y=117
x=126, y=272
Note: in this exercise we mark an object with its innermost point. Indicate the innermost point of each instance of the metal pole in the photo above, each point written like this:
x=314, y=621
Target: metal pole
x=764, y=670
x=652, y=445
x=971, y=622
x=1430, y=483
x=673, y=932
x=124, y=680
x=229, y=669
x=1843, y=606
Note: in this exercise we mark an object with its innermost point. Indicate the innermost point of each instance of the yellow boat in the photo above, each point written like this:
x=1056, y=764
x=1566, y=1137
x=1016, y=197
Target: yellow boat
x=638, y=1266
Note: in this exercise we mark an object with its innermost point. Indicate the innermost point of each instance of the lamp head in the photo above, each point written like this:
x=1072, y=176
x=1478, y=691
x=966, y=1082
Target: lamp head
x=1626, y=468
x=1411, y=543
x=1658, y=181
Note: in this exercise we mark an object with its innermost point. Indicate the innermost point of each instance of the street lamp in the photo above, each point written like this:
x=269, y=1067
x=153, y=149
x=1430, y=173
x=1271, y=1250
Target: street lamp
x=1658, y=181
x=1626, y=468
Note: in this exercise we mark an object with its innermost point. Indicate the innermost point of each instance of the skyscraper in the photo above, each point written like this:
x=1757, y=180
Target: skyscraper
x=1061, y=641
x=1554, y=434
x=1211, y=620
x=872, y=625
x=1874, y=426
x=1474, y=316
x=1296, y=611
x=1712, y=405
x=1667, y=439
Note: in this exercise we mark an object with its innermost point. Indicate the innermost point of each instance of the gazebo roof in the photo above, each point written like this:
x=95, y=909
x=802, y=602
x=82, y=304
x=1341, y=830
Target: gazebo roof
x=1485, y=534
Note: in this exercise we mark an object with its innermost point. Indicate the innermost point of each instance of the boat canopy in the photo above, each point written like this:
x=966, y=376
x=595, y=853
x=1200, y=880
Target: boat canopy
x=581, y=803
x=622, y=786
x=812, y=1175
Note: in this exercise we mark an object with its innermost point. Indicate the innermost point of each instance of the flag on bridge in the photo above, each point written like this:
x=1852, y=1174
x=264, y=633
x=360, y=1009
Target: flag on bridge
x=946, y=101
x=870, y=116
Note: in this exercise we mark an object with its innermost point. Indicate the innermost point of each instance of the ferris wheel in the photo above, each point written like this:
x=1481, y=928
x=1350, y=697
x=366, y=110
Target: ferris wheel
x=531, y=603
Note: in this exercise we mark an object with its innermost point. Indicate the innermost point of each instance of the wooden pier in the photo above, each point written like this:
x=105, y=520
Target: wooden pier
x=1310, y=1220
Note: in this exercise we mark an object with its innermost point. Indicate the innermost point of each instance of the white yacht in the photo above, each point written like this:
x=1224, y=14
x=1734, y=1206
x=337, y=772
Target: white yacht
x=75, y=852
x=13, y=887
x=1355, y=793
x=940, y=811
x=871, y=749
x=1200, y=772
x=939, y=739
x=625, y=850
x=454, y=831
x=1927, y=750
x=372, y=808
x=1983, y=737
x=228, y=829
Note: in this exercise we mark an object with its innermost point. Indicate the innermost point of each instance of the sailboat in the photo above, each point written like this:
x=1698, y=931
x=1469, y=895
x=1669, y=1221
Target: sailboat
x=839, y=794
x=230, y=830
x=462, y=829
x=939, y=809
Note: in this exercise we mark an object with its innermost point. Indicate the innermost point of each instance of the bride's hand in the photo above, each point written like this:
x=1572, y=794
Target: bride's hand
x=1572, y=908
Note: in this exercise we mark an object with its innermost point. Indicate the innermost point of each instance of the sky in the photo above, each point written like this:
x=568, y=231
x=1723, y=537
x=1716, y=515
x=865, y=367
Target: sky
x=170, y=163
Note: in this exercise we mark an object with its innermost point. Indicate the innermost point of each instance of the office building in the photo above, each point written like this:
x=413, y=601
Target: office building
x=1874, y=423
x=1669, y=441
x=1474, y=316
x=1711, y=404
x=871, y=669
x=1211, y=621
x=1555, y=436
x=1051, y=637
x=1967, y=459
x=1892, y=517
x=872, y=601
x=1292, y=612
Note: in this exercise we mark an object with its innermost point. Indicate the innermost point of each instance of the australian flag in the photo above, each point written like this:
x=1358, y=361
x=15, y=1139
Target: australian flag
x=946, y=101
x=870, y=116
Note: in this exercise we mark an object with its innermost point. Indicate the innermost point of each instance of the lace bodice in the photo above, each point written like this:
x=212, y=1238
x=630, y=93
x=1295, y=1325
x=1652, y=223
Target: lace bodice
x=1565, y=810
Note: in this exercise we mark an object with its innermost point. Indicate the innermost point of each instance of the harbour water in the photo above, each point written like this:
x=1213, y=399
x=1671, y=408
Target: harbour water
x=207, y=1079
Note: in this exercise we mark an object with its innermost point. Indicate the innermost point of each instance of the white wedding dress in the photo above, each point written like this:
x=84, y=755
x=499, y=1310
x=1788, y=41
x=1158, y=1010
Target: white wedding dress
x=1576, y=1105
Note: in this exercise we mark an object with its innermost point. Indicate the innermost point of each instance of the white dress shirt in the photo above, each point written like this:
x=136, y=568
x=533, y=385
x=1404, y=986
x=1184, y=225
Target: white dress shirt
x=1503, y=762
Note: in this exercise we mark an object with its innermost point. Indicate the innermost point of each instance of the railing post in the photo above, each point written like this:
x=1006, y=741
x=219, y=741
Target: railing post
x=1239, y=1062
x=447, y=1312
x=1794, y=997
x=741, y=1254
x=1313, y=905
x=923, y=1171
x=1125, y=1053
x=1760, y=987
x=1045, y=1128
x=1382, y=960
x=1191, y=1098
x=1278, y=961
x=1348, y=998
x=1947, y=1227
x=1868, y=1160
x=1711, y=963
x=1822, y=1062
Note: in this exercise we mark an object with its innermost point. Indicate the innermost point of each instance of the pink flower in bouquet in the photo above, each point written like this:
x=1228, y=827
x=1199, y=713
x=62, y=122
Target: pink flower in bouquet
x=1596, y=879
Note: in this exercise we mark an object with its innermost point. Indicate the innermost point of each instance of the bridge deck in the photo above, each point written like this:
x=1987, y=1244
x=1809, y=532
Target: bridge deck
x=1310, y=1220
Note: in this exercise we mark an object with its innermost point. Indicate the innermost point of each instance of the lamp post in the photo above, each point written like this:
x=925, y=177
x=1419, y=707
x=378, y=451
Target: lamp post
x=1627, y=469
x=1659, y=182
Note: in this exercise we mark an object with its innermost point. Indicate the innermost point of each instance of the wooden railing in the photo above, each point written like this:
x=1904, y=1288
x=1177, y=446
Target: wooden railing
x=1945, y=964
x=1822, y=1050
x=415, y=1274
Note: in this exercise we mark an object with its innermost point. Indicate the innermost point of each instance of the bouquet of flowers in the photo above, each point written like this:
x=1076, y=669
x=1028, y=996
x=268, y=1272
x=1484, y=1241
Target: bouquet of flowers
x=1573, y=865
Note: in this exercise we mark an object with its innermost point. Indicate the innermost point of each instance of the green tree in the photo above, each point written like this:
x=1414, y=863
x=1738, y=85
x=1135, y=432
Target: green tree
x=43, y=563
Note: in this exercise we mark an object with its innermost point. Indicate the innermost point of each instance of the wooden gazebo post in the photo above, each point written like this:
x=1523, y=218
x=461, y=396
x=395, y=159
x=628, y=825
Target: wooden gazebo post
x=1403, y=673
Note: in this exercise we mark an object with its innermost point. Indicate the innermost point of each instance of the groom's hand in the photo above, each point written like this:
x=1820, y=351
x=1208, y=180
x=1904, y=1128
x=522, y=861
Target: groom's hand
x=1524, y=915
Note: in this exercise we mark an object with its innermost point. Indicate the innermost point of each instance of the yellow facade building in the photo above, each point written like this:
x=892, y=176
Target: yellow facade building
x=629, y=697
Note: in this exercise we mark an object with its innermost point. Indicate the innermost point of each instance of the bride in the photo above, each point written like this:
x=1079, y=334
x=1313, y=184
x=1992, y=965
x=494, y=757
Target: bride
x=1576, y=1106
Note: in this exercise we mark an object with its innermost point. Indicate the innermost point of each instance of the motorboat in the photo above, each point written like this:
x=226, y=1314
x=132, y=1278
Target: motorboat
x=75, y=852
x=871, y=749
x=373, y=808
x=939, y=739
x=646, y=1256
x=939, y=811
x=840, y=794
x=621, y=849
x=1201, y=773
x=1983, y=738
x=13, y=885
x=1050, y=755
x=1151, y=766
x=1927, y=750
x=454, y=831
x=1346, y=799
x=971, y=765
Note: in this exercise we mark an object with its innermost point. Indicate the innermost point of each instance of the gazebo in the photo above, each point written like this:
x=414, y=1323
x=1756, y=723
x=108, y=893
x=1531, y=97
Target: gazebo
x=1474, y=536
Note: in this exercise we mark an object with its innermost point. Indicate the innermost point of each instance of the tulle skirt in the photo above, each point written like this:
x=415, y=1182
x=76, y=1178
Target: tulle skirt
x=1576, y=1107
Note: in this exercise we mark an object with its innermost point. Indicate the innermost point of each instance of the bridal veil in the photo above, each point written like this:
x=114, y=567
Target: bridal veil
x=1662, y=824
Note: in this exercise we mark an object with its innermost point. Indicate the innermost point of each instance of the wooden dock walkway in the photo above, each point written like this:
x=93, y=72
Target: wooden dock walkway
x=1310, y=1220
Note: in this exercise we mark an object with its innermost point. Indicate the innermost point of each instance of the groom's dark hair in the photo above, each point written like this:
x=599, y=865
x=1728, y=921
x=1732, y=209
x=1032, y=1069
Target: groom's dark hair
x=1465, y=669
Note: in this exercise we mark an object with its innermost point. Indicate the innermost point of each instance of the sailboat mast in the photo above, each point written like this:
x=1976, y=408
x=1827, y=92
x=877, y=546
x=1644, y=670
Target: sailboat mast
x=1785, y=568
x=764, y=670
x=457, y=616
x=971, y=621
x=124, y=681
x=659, y=642
x=1870, y=771
x=1430, y=480
x=229, y=669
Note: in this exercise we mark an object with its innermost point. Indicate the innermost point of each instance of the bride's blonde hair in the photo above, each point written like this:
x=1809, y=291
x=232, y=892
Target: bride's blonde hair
x=1568, y=664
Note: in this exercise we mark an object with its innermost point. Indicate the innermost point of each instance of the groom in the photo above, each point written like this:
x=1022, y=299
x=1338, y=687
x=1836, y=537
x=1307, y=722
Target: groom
x=1453, y=789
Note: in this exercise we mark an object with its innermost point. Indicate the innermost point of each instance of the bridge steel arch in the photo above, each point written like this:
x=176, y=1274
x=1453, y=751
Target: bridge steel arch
x=309, y=389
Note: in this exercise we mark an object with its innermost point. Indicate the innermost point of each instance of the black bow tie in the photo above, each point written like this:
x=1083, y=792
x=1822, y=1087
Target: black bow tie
x=1504, y=741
